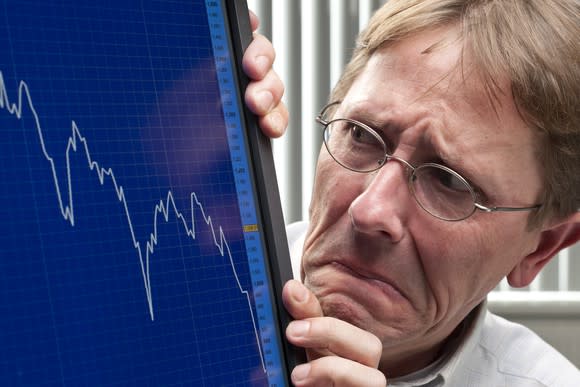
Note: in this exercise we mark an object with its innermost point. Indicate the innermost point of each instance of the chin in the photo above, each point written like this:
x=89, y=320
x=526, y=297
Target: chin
x=345, y=309
x=367, y=308
x=337, y=301
x=347, y=292
x=342, y=307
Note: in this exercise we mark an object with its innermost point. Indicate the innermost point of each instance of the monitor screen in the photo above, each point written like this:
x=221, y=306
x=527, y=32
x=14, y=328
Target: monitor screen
x=132, y=246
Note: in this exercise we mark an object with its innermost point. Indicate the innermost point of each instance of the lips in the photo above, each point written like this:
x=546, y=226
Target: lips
x=384, y=285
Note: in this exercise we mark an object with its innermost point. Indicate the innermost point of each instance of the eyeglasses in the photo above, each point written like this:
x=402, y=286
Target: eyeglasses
x=439, y=190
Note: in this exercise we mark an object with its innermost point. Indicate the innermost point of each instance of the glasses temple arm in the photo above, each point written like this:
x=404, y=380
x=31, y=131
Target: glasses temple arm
x=506, y=209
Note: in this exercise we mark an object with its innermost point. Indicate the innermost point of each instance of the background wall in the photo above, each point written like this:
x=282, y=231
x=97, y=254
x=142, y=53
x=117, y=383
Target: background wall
x=314, y=41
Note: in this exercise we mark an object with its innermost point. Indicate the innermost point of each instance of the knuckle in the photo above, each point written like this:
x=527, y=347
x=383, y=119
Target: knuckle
x=332, y=323
x=335, y=328
x=263, y=45
x=326, y=327
x=336, y=371
x=324, y=371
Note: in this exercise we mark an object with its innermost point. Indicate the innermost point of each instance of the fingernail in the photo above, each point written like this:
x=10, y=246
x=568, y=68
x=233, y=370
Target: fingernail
x=265, y=100
x=276, y=123
x=298, y=328
x=300, y=372
x=300, y=293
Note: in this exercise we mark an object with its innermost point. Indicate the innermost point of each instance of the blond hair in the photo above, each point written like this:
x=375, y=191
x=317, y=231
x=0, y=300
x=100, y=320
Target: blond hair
x=535, y=43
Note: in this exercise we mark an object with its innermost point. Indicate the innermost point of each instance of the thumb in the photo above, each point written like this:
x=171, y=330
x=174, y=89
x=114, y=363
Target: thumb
x=299, y=301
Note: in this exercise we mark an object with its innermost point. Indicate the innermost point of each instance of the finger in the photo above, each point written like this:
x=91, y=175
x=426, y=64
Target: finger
x=337, y=371
x=263, y=98
x=265, y=95
x=258, y=58
x=254, y=21
x=275, y=122
x=299, y=301
x=337, y=337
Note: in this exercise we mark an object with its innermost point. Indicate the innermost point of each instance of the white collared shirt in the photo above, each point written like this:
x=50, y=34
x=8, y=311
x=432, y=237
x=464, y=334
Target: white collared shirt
x=492, y=352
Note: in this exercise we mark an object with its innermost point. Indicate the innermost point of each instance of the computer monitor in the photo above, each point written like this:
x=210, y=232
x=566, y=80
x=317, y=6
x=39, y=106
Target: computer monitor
x=142, y=239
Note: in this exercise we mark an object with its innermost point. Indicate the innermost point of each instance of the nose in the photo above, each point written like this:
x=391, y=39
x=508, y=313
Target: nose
x=383, y=206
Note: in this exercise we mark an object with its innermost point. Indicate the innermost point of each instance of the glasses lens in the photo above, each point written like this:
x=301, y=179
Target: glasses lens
x=354, y=146
x=442, y=192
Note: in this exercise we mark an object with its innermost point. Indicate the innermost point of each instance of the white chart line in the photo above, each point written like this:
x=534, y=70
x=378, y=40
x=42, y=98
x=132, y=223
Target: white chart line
x=163, y=207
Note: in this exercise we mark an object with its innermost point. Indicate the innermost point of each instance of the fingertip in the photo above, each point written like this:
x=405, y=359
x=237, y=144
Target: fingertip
x=273, y=125
x=261, y=101
x=300, y=373
x=300, y=302
x=297, y=330
x=256, y=67
x=252, y=67
x=263, y=65
x=254, y=21
x=300, y=292
x=296, y=290
x=264, y=101
x=258, y=57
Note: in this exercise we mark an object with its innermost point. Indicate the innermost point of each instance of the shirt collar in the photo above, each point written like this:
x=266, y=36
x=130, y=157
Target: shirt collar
x=467, y=344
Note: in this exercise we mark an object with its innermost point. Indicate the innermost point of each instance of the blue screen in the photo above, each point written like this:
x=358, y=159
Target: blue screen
x=130, y=247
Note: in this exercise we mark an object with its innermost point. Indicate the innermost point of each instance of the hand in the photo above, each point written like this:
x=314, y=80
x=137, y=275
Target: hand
x=339, y=354
x=264, y=93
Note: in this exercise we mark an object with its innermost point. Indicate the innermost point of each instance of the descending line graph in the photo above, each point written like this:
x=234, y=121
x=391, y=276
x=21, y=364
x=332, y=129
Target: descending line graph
x=163, y=210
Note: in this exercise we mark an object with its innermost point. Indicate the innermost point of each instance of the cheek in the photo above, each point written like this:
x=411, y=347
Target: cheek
x=335, y=188
x=464, y=261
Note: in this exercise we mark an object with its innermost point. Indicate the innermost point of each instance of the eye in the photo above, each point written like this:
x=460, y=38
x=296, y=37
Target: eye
x=451, y=181
x=446, y=179
x=362, y=135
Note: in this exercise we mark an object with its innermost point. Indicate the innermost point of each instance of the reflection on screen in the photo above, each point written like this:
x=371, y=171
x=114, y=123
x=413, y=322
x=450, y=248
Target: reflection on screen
x=130, y=251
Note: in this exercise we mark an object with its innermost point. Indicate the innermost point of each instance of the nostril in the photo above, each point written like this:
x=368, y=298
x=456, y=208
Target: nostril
x=382, y=207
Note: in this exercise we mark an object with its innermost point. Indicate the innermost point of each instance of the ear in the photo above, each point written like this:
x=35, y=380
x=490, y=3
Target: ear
x=553, y=238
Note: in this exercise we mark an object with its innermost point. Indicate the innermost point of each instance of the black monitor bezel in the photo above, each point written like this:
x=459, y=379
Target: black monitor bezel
x=266, y=187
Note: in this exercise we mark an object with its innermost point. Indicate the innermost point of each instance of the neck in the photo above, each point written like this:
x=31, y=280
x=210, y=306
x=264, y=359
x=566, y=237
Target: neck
x=405, y=362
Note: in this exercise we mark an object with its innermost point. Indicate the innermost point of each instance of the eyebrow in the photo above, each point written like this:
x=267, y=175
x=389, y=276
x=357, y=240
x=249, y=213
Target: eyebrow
x=435, y=140
x=431, y=146
x=382, y=125
x=391, y=129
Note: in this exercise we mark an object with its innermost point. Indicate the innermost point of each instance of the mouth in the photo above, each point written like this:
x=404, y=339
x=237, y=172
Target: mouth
x=383, y=285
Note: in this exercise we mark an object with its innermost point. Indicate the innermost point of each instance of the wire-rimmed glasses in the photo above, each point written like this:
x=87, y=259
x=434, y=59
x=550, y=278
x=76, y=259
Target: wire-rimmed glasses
x=438, y=189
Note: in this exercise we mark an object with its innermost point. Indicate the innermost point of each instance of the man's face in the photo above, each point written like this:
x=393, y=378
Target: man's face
x=372, y=256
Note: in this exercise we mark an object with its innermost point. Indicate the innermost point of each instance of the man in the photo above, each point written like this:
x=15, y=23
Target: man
x=451, y=160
